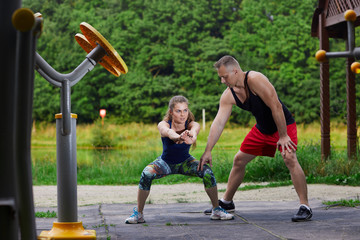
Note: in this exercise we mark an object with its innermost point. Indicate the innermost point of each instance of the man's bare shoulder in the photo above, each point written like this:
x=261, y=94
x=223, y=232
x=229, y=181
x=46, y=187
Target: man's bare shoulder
x=256, y=76
x=227, y=98
x=260, y=85
x=258, y=81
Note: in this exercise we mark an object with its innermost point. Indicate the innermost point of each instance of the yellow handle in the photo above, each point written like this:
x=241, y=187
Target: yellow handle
x=350, y=15
x=355, y=67
x=321, y=56
x=23, y=19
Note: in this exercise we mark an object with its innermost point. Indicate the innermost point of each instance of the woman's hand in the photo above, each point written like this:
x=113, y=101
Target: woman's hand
x=174, y=136
x=188, y=137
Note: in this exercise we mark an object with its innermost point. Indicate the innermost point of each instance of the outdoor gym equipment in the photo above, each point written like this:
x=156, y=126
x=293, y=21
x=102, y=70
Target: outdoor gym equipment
x=333, y=19
x=322, y=55
x=17, y=217
x=99, y=50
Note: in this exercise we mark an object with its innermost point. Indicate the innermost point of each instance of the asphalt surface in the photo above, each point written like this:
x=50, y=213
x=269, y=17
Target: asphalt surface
x=253, y=220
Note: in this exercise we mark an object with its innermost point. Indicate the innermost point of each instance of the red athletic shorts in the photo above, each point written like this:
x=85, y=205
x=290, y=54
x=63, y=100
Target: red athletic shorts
x=259, y=144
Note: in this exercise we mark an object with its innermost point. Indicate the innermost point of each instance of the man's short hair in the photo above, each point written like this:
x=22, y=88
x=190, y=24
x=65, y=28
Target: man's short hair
x=226, y=61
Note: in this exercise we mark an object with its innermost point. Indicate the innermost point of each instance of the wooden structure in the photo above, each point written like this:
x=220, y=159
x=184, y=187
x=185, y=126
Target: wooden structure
x=329, y=22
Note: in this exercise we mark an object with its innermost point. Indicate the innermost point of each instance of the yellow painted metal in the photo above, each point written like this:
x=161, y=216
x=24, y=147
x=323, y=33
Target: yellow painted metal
x=67, y=230
x=321, y=56
x=84, y=43
x=350, y=15
x=59, y=115
x=94, y=38
x=355, y=67
x=23, y=19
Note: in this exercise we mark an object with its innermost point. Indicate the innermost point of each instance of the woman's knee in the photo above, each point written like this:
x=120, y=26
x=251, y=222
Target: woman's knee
x=208, y=177
x=147, y=175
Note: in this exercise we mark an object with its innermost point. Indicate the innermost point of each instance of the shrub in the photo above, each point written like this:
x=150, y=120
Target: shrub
x=101, y=136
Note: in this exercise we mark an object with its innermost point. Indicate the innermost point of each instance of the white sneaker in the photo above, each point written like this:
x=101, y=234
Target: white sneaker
x=220, y=214
x=136, y=217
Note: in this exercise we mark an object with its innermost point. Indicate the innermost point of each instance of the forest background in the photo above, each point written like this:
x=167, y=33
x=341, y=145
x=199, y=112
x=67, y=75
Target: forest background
x=170, y=47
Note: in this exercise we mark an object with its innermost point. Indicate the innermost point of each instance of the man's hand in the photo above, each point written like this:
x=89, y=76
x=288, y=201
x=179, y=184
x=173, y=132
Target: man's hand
x=206, y=158
x=286, y=144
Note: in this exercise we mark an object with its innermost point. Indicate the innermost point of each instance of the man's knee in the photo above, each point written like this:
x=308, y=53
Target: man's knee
x=240, y=160
x=290, y=160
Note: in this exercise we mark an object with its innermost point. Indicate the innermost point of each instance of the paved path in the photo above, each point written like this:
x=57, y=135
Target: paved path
x=253, y=220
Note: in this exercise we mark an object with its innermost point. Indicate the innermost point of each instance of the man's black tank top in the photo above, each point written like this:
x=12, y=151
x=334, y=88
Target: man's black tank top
x=254, y=104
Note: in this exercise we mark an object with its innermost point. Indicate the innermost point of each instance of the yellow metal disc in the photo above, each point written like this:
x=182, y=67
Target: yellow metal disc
x=94, y=37
x=84, y=43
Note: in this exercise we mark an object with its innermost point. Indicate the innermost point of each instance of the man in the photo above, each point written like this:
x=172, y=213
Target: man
x=275, y=128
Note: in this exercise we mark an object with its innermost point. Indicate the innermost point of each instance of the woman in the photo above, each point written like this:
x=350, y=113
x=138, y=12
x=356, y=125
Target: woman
x=178, y=132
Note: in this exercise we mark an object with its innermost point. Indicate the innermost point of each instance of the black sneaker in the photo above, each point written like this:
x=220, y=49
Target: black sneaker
x=229, y=207
x=304, y=214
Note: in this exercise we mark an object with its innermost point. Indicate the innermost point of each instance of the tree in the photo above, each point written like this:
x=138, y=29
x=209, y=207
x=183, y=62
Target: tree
x=170, y=47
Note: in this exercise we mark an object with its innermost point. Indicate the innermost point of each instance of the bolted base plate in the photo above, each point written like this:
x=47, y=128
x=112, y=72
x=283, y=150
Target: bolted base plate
x=67, y=230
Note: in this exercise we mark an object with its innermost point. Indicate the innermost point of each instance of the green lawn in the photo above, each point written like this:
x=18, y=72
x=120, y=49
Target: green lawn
x=134, y=145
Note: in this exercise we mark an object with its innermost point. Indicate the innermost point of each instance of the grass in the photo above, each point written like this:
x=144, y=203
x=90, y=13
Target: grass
x=47, y=214
x=343, y=202
x=135, y=145
x=260, y=186
x=170, y=224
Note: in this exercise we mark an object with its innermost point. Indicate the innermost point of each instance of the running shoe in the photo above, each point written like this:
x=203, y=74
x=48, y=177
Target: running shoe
x=221, y=214
x=230, y=207
x=136, y=217
x=304, y=214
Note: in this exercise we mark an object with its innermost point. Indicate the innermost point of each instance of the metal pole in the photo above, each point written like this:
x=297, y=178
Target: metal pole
x=66, y=171
x=55, y=78
x=65, y=92
x=324, y=91
x=9, y=227
x=26, y=44
x=350, y=36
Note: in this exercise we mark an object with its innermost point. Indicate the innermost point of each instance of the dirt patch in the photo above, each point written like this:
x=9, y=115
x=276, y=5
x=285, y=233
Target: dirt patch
x=46, y=196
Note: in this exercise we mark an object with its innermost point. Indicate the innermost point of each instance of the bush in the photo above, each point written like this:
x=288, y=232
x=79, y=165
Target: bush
x=101, y=136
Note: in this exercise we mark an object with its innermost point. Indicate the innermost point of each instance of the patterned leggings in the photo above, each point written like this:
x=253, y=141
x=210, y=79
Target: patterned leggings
x=159, y=168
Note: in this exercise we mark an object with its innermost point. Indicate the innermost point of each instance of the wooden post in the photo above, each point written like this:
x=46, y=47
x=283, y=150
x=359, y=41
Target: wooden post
x=203, y=119
x=351, y=110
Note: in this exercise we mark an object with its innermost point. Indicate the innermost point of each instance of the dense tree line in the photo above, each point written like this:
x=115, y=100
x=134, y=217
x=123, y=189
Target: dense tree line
x=170, y=47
